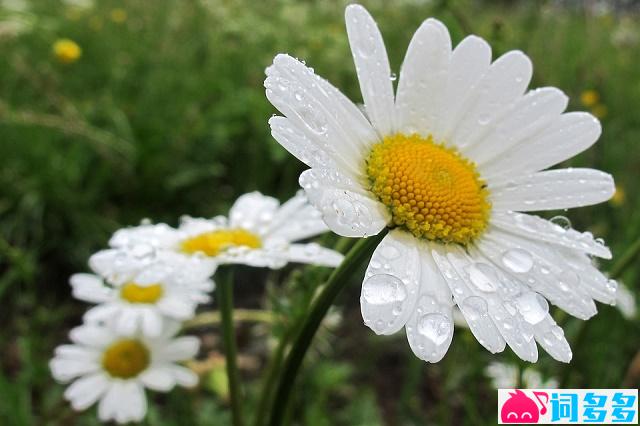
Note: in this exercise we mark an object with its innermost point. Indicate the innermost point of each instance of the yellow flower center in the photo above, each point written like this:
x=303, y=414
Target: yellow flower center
x=135, y=293
x=215, y=242
x=430, y=190
x=125, y=358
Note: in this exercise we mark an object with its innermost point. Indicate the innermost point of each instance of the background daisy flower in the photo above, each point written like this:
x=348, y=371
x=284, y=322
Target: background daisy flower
x=113, y=369
x=258, y=232
x=141, y=294
x=451, y=161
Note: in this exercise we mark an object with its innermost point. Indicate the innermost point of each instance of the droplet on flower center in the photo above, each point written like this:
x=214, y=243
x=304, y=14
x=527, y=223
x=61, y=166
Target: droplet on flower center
x=125, y=358
x=215, y=242
x=430, y=190
x=136, y=293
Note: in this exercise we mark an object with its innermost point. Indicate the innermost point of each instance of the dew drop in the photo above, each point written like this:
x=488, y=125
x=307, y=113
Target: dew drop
x=533, y=307
x=474, y=307
x=383, y=289
x=390, y=252
x=435, y=327
x=562, y=221
x=517, y=260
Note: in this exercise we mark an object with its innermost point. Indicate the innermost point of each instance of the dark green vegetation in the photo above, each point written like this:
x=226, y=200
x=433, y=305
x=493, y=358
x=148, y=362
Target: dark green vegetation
x=165, y=114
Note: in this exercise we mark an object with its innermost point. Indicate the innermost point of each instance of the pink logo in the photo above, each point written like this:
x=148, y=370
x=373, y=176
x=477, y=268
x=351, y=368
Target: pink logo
x=519, y=408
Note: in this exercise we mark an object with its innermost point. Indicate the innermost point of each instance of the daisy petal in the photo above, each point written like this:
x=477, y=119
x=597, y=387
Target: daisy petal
x=85, y=391
x=92, y=336
x=313, y=254
x=158, y=378
x=312, y=105
x=551, y=337
x=542, y=268
x=76, y=352
x=565, y=137
x=178, y=307
x=128, y=321
x=391, y=284
x=151, y=322
x=372, y=67
x=470, y=60
x=183, y=376
x=134, y=403
x=502, y=85
x=65, y=370
x=90, y=288
x=536, y=228
x=599, y=286
x=421, y=93
x=298, y=144
x=529, y=116
x=296, y=220
x=430, y=329
x=472, y=304
x=180, y=349
x=553, y=190
x=110, y=402
x=516, y=331
x=100, y=313
x=250, y=210
x=345, y=212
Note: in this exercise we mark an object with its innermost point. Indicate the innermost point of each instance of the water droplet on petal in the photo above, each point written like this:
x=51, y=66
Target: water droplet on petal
x=517, y=260
x=435, y=327
x=474, y=307
x=562, y=221
x=383, y=289
x=533, y=307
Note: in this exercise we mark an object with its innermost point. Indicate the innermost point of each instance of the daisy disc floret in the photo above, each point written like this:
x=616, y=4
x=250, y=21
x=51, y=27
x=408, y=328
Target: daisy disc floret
x=453, y=159
x=106, y=367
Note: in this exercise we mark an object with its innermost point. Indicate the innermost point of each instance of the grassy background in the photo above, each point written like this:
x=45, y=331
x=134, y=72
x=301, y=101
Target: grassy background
x=164, y=114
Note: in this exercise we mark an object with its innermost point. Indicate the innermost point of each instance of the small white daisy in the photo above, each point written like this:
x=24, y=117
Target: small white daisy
x=448, y=162
x=115, y=369
x=138, y=293
x=258, y=232
x=507, y=376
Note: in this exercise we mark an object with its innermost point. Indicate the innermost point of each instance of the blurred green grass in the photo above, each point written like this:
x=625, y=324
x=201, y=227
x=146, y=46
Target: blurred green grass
x=164, y=114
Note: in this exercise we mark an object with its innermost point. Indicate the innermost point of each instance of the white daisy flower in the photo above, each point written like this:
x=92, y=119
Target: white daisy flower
x=507, y=376
x=115, y=369
x=258, y=232
x=140, y=293
x=449, y=162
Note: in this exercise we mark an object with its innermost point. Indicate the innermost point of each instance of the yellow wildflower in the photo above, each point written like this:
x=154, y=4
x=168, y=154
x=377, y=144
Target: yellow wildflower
x=118, y=15
x=589, y=98
x=618, y=197
x=66, y=51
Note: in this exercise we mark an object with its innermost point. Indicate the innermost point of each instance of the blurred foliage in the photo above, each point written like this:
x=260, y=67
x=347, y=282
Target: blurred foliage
x=164, y=114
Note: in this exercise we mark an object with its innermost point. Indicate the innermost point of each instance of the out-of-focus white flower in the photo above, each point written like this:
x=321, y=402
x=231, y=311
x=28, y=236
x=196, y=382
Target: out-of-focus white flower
x=114, y=369
x=258, y=232
x=449, y=161
x=626, y=302
x=15, y=6
x=140, y=289
x=505, y=376
x=80, y=4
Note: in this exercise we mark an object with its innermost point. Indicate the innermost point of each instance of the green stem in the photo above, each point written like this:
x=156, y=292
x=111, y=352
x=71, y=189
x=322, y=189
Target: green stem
x=224, y=290
x=275, y=362
x=360, y=252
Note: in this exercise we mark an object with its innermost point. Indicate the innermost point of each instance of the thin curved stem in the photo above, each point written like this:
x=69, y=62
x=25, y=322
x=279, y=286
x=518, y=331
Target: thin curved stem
x=360, y=252
x=224, y=290
x=627, y=259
